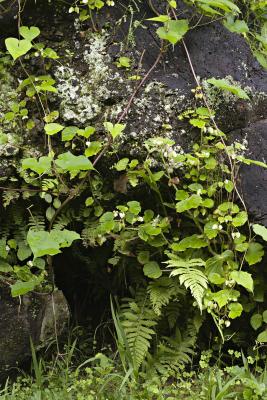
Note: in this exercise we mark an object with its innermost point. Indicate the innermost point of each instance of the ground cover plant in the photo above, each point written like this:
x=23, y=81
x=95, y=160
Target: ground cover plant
x=184, y=255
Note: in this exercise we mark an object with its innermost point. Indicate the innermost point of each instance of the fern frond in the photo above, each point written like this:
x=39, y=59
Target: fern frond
x=36, y=222
x=138, y=320
x=190, y=276
x=172, y=354
x=161, y=291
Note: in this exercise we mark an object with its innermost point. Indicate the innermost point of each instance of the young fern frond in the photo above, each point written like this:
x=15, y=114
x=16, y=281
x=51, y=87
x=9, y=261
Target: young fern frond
x=190, y=276
x=138, y=320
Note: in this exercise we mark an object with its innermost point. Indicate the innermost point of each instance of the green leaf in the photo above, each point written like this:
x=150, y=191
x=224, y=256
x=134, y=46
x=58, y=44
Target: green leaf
x=192, y=242
x=181, y=194
x=243, y=278
x=87, y=132
x=17, y=48
x=225, y=85
x=24, y=251
x=254, y=253
x=264, y=316
x=29, y=33
x=44, y=243
x=69, y=162
x=152, y=270
x=235, y=310
x=122, y=164
x=124, y=62
x=260, y=230
x=256, y=321
x=240, y=219
x=89, y=201
x=134, y=207
x=53, y=128
x=191, y=202
x=93, y=148
x=160, y=18
x=115, y=130
x=68, y=133
x=211, y=229
x=143, y=257
x=237, y=26
x=198, y=123
x=222, y=297
x=262, y=337
x=19, y=288
x=39, y=166
x=5, y=267
x=173, y=31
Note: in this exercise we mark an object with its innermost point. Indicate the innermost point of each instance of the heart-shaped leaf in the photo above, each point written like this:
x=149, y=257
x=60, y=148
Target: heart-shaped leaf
x=17, y=48
x=173, y=31
x=29, y=33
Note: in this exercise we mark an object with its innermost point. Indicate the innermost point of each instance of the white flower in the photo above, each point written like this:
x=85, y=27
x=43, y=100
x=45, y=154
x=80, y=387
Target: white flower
x=227, y=324
x=122, y=214
x=215, y=226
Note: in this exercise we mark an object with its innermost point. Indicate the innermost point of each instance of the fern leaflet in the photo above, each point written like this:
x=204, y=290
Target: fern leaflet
x=190, y=276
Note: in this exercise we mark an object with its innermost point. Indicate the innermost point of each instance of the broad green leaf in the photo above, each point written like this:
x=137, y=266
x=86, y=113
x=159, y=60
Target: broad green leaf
x=191, y=202
x=19, y=288
x=64, y=237
x=24, y=251
x=262, y=337
x=225, y=85
x=211, y=229
x=190, y=242
x=228, y=208
x=235, y=310
x=134, y=207
x=93, y=148
x=152, y=270
x=181, y=194
x=260, y=230
x=42, y=244
x=5, y=267
x=69, y=162
x=254, y=253
x=122, y=164
x=17, y=48
x=256, y=321
x=236, y=26
x=114, y=129
x=264, y=316
x=173, y=31
x=53, y=128
x=243, y=278
x=86, y=132
x=39, y=166
x=198, y=123
x=29, y=33
x=224, y=296
x=68, y=133
x=240, y=219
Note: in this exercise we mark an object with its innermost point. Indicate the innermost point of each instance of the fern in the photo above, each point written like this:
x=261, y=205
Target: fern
x=161, y=291
x=36, y=222
x=190, y=276
x=138, y=320
x=172, y=354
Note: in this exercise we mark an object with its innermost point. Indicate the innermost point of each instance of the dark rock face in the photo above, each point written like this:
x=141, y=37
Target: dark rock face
x=32, y=316
x=254, y=178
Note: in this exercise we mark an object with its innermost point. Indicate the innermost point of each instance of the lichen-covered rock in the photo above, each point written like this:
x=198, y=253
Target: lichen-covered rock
x=38, y=316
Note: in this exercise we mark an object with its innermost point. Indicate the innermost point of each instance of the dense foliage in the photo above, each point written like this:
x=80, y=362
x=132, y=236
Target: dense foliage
x=184, y=252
